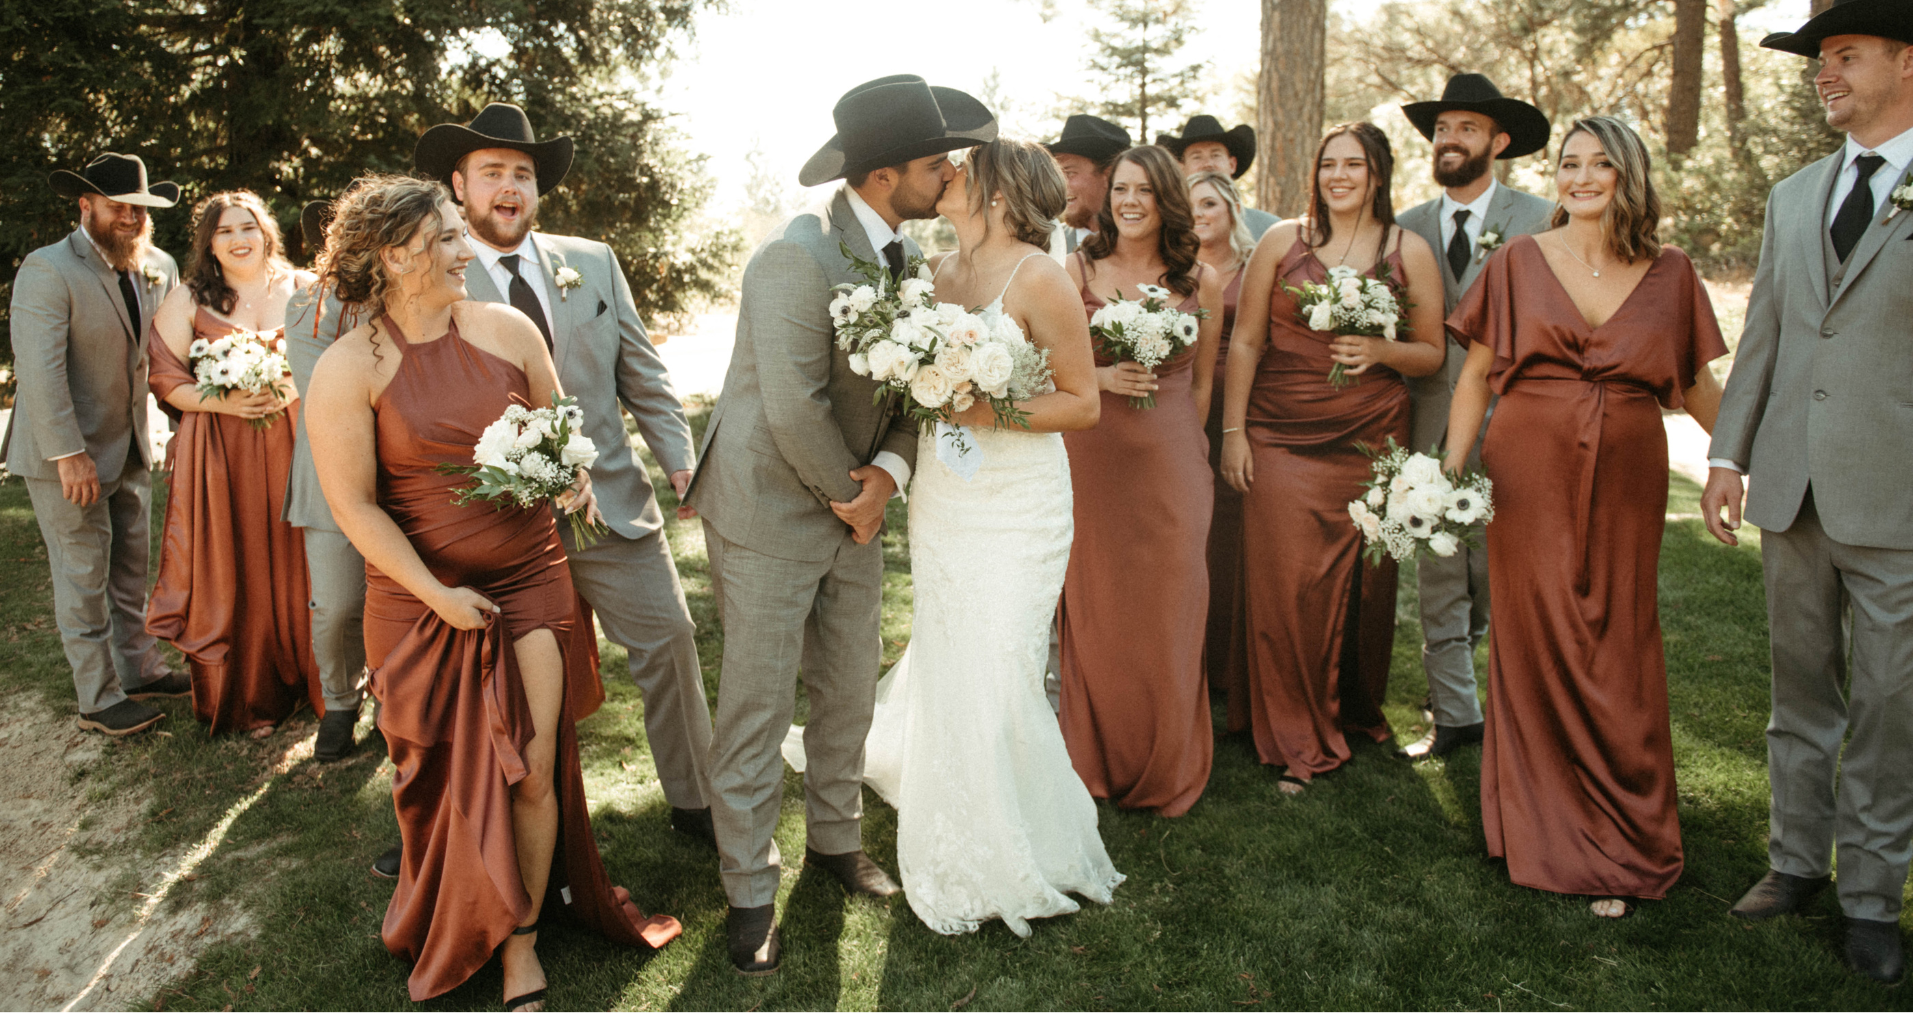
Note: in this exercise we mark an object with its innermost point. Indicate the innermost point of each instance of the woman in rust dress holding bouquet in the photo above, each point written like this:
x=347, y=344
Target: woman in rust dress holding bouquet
x=466, y=607
x=1226, y=246
x=1135, y=704
x=1577, y=768
x=1321, y=622
x=231, y=593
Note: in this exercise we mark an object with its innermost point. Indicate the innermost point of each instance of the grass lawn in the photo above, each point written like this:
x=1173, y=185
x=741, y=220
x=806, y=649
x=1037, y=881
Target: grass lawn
x=1371, y=890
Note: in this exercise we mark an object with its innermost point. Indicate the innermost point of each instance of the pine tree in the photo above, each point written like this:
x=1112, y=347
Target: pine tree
x=1135, y=64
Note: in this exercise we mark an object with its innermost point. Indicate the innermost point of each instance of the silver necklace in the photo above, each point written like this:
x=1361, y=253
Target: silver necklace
x=1578, y=260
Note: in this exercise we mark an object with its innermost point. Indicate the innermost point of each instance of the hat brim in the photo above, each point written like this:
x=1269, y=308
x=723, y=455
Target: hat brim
x=1096, y=149
x=1239, y=139
x=68, y=183
x=440, y=148
x=1888, y=19
x=313, y=218
x=967, y=123
x=1527, y=128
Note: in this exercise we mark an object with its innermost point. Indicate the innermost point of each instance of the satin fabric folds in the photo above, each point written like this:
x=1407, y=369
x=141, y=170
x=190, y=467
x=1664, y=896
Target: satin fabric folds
x=452, y=703
x=232, y=586
x=1577, y=771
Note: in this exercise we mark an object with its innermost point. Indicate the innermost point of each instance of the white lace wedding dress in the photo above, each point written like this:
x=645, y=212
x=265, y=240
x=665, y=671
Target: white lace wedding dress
x=992, y=821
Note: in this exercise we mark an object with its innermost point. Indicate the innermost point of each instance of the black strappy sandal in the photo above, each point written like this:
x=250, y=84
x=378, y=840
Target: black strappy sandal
x=529, y=997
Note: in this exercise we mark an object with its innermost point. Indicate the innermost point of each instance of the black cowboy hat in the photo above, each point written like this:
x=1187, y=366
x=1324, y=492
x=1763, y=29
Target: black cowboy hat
x=313, y=218
x=1889, y=19
x=1527, y=127
x=499, y=125
x=893, y=120
x=121, y=177
x=1203, y=127
x=1092, y=137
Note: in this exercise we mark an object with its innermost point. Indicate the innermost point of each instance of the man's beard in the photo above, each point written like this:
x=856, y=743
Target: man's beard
x=492, y=231
x=123, y=252
x=1472, y=167
x=913, y=206
x=1079, y=217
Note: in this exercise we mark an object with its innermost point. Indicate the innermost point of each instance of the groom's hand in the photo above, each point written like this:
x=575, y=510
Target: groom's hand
x=1724, y=492
x=865, y=513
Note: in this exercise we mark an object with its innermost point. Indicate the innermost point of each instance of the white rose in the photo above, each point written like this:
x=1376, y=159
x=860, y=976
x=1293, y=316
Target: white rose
x=948, y=313
x=992, y=367
x=1421, y=470
x=494, y=442
x=967, y=330
x=1397, y=508
x=529, y=436
x=914, y=291
x=1427, y=503
x=953, y=361
x=1126, y=313
x=1376, y=497
x=1003, y=328
x=579, y=450
x=883, y=359
x=1103, y=318
x=1322, y=317
x=930, y=387
x=923, y=272
x=962, y=402
x=1441, y=543
x=862, y=298
x=860, y=364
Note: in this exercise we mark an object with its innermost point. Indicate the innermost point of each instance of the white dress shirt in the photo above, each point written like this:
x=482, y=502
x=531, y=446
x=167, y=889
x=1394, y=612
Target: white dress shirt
x=1898, y=153
x=1477, y=216
x=530, y=268
x=881, y=235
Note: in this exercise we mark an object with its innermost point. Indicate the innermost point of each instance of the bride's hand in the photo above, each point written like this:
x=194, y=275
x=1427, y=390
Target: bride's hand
x=1126, y=378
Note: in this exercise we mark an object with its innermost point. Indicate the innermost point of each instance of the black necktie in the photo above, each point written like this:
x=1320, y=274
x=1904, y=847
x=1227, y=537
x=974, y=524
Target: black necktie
x=131, y=296
x=893, y=255
x=523, y=299
x=1856, y=213
x=1458, y=246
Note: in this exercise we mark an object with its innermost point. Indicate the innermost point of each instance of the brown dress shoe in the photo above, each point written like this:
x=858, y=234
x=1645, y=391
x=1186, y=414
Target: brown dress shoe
x=755, y=949
x=1777, y=893
x=170, y=684
x=855, y=871
x=1874, y=949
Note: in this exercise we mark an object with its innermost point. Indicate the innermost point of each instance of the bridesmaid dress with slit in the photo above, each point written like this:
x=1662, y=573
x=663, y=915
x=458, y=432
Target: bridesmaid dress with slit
x=1135, y=703
x=452, y=703
x=1224, y=650
x=1577, y=769
x=1321, y=621
x=232, y=586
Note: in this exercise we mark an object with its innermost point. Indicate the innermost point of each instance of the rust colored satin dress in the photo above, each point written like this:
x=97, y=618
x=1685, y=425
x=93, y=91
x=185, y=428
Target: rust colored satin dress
x=452, y=704
x=1577, y=770
x=1225, y=652
x=232, y=587
x=1321, y=622
x=1135, y=703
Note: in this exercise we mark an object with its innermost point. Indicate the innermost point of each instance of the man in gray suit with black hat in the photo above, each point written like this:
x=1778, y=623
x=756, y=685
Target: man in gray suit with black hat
x=1084, y=150
x=797, y=466
x=1818, y=415
x=77, y=435
x=575, y=293
x=1472, y=125
x=1203, y=146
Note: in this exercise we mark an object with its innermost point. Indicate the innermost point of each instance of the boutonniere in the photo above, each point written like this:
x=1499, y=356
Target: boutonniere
x=153, y=278
x=566, y=279
x=1490, y=241
x=1902, y=196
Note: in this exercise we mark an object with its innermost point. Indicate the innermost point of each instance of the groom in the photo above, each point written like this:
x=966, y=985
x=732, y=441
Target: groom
x=795, y=471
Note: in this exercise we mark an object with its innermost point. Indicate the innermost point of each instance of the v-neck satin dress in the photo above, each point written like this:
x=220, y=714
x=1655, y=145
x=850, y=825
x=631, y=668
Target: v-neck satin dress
x=1577, y=771
x=452, y=703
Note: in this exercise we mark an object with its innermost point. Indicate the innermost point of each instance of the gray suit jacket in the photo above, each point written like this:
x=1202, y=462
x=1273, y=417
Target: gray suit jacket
x=81, y=362
x=794, y=420
x=1512, y=213
x=1258, y=221
x=605, y=359
x=1822, y=387
x=314, y=320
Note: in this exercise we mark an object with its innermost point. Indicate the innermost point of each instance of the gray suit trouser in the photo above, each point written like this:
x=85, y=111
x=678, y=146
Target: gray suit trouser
x=1454, y=618
x=632, y=585
x=99, y=555
x=1811, y=581
x=781, y=615
x=336, y=572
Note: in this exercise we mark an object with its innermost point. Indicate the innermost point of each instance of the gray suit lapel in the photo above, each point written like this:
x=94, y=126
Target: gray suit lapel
x=1813, y=224
x=108, y=278
x=561, y=308
x=843, y=221
x=479, y=286
x=1500, y=218
x=1872, y=242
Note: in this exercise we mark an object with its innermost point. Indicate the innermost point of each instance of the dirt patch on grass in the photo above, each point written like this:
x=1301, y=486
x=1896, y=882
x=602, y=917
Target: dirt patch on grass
x=83, y=923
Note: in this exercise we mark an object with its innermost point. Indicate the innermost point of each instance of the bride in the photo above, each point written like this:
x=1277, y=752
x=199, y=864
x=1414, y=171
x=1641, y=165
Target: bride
x=992, y=821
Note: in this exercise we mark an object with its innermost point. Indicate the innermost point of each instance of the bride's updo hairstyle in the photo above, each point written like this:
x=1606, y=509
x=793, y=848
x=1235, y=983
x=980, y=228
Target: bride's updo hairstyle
x=1024, y=176
x=377, y=213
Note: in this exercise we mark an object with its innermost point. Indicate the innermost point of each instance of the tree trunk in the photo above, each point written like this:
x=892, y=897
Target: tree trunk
x=1289, y=102
x=1683, y=91
x=1735, y=92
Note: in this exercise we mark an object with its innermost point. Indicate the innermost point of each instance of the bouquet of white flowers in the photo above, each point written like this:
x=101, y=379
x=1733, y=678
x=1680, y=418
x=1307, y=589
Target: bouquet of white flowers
x=242, y=360
x=529, y=456
x=1411, y=505
x=1147, y=331
x=1350, y=304
x=941, y=357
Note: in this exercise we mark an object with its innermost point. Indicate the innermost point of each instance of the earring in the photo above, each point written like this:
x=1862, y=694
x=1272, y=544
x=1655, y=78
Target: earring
x=993, y=203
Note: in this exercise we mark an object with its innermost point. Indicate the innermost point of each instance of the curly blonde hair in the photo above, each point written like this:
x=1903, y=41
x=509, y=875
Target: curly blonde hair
x=376, y=213
x=1025, y=174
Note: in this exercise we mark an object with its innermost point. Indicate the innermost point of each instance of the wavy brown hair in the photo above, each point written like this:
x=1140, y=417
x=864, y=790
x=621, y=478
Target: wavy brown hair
x=1631, y=222
x=1025, y=175
x=204, y=277
x=1381, y=173
x=1176, y=242
x=377, y=213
